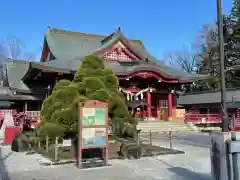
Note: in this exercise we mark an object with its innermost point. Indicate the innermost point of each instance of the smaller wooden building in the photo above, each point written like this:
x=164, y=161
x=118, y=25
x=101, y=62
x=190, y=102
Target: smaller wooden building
x=205, y=107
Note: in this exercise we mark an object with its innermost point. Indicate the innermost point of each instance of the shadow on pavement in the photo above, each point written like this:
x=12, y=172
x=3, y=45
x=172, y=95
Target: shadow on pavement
x=4, y=175
x=186, y=141
x=186, y=174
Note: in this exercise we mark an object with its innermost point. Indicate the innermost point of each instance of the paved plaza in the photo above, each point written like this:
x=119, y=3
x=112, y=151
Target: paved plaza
x=194, y=165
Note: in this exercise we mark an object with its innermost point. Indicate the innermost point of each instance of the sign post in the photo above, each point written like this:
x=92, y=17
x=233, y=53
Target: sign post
x=93, y=129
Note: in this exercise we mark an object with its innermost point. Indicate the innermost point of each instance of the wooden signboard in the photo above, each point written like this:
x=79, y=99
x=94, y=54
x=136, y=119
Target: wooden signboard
x=93, y=128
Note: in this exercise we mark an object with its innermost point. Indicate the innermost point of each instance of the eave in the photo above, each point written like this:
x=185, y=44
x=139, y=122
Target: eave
x=208, y=97
x=22, y=98
x=36, y=68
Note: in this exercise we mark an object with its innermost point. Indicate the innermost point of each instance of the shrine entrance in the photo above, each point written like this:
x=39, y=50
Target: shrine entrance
x=157, y=98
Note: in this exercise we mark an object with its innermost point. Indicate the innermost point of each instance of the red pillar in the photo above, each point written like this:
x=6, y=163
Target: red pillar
x=170, y=106
x=149, y=102
x=174, y=101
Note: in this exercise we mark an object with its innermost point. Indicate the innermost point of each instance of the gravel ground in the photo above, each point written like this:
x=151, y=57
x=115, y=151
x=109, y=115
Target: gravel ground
x=194, y=165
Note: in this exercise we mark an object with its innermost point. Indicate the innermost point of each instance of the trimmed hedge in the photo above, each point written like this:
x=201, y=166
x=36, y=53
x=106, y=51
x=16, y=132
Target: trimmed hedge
x=91, y=81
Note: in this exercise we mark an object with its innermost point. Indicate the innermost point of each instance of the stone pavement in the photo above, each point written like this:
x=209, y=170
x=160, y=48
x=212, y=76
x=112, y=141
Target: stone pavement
x=194, y=165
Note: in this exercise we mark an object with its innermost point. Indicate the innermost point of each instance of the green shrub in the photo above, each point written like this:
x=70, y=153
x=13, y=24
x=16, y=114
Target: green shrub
x=52, y=130
x=61, y=84
x=91, y=81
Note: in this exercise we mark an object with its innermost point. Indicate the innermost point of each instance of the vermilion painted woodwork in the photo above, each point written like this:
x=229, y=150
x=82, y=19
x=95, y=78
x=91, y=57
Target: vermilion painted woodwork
x=116, y=55
x=174, y=103
x=149, y=103
x=169, y=105
x=45, y=52
x=10, y=133
x=148, y=74
x=133, y=90
x=114, y=52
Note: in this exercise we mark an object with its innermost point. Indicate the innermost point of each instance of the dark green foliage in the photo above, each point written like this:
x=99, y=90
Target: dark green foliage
x=235, y=18
x=21, y=143
x=210, y=51
x=51, y=129
x=92, y=81
x=61, y=84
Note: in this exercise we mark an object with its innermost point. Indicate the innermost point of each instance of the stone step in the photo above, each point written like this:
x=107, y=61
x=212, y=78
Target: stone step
x=169, y=129
x=160, y=124
x=210, y=128
x=156, y=124
x=165, y=126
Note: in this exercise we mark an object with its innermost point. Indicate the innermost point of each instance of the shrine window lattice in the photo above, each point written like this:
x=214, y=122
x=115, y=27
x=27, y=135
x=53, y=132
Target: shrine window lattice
x=163, y=103
x=117, y=54
x=238, y=117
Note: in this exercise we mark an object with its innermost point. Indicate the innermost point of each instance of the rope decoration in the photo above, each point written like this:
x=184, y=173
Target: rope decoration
x=131, y=96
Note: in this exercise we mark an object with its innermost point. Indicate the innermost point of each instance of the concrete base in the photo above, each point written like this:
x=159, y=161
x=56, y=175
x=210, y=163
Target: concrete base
x=235, y=136
x=219, y=165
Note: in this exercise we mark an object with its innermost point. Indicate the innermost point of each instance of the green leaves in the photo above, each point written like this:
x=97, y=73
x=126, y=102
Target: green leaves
x=51, y=129
x=91, y=81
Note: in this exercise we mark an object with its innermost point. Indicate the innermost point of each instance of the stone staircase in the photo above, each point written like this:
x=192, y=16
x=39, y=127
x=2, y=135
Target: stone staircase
x=165, y=126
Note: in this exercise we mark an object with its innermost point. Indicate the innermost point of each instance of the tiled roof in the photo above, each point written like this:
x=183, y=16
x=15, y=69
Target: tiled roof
x=16, y=70
x=72, y=66
x=66, y=45
x=208, y=97
x=71, y=47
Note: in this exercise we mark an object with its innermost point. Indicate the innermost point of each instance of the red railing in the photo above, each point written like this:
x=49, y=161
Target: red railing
x=202, y=118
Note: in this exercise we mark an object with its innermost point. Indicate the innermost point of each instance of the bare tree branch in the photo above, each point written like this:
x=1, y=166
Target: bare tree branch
x=182, y=60
x=14, y=48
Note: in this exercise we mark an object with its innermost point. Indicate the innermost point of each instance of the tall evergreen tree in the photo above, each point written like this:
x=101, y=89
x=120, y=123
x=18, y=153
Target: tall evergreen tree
x=92, y=81
x=235, y=18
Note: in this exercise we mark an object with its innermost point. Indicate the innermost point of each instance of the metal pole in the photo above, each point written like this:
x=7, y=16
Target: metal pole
x=222, y=67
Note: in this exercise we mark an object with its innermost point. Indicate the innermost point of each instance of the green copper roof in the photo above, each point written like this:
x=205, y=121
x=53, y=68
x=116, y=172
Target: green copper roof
x=16, y=70
x=69, y=47
x=66, y=45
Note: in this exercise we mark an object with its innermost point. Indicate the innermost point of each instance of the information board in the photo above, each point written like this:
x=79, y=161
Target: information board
x=93, y=116
x=92, y=137
x=93, y=128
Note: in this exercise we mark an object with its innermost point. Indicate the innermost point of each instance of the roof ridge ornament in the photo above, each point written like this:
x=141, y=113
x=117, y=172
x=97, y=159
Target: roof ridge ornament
x=49, y=27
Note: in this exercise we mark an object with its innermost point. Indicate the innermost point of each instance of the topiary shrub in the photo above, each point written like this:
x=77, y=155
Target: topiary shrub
x=61, y=84
x=91, y=81
x=51, y=130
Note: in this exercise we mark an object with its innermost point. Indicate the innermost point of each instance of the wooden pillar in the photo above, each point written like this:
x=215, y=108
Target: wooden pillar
x=170, y=106
x=149, y=102
x=174, y=100
x=174, y=105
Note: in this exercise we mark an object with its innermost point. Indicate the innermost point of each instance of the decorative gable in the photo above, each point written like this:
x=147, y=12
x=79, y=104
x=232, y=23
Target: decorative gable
x=119, y=52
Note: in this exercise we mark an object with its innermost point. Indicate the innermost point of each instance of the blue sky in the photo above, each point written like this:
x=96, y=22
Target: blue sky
x=163, y=25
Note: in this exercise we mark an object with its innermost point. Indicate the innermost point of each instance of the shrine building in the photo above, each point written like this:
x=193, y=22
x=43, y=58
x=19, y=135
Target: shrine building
x=141, y=76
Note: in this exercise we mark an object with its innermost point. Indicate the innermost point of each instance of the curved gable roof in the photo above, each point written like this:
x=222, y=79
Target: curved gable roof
x=69, y=45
